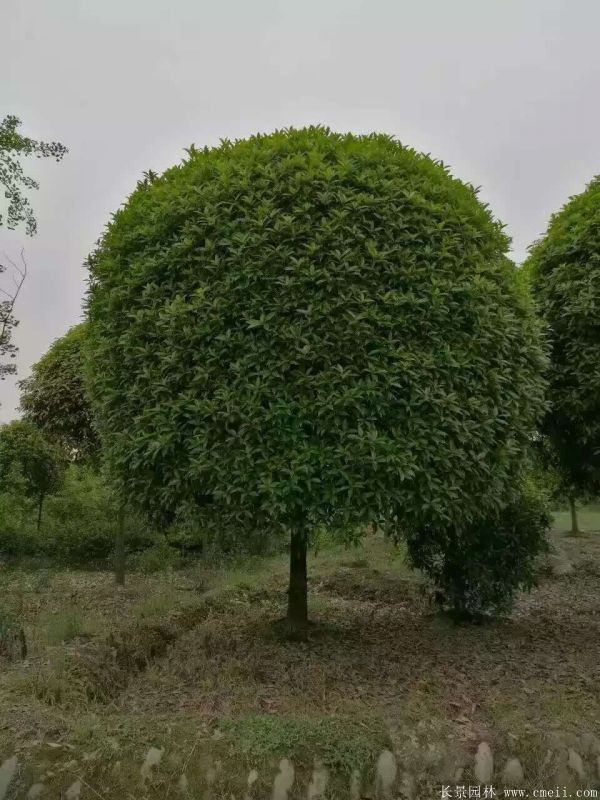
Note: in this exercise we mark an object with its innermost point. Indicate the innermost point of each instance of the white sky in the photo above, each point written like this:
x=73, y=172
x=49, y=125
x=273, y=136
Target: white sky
x=507, y=92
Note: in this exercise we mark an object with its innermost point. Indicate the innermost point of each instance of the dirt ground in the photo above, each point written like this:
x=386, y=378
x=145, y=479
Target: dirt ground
x=220, y=693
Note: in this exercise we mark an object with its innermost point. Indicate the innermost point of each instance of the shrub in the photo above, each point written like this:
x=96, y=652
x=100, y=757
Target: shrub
x=79, y=522
x=307, y=329
x=477, y=568
x=160, y=556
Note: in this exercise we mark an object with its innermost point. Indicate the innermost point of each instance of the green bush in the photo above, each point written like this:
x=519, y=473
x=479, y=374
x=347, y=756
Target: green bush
x=160, y=556
x=309, y=329
x=80, y=526
x=18, y=534
x=477, y=568
x=79, y=523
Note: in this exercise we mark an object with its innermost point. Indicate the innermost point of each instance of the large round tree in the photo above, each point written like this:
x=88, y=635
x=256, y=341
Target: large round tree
x=307, y=329
x=564, y=268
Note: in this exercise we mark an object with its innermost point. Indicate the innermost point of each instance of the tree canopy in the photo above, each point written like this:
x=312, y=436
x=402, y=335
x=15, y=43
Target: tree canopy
x=54, y=397
x=564, y=269
x=307, y=329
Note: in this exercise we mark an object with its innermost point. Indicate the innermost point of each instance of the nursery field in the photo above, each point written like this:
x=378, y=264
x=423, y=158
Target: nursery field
x=181, y=684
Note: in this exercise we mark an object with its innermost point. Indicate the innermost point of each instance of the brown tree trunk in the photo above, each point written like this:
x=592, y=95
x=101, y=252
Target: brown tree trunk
x=40, y=507
x=574, y=524
x=297, y=613
x=120, y=548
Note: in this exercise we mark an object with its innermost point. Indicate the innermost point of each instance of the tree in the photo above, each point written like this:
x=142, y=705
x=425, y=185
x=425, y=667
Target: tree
x=53, y=397
x=310, y=329
x=13, y=147
x=8, y=322
x=564, y=270
x=25, y=452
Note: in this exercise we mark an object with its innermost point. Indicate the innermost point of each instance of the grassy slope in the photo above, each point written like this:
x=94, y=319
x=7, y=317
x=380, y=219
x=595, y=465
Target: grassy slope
x=228, y=695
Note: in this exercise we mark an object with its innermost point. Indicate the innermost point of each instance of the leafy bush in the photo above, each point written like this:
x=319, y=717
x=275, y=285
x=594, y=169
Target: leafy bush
x=80, y=522
x=310, y=329
x=18, y=534
x=80, y=526
x=477, y=568
x=160, y=556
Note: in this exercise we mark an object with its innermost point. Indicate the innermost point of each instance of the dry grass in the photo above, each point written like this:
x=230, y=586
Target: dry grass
x=196, y=666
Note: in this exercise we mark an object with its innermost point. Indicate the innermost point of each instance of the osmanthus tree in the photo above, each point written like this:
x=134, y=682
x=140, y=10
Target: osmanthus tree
x=310, y=329
x=53, y=397
x=55, y=400
x=26, y=455
x=564, y=270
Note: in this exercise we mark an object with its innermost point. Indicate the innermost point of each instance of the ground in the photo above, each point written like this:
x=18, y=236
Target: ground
x=189, y=663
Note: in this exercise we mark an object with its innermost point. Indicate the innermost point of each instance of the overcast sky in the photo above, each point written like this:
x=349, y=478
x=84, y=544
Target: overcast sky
x=504, y=91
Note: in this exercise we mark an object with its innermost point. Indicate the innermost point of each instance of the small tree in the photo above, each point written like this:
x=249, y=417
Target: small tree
x=310, y=329
x=564, y=270
x=40, y=464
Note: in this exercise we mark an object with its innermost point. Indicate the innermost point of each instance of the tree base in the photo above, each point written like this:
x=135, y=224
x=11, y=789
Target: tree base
x=290, y=631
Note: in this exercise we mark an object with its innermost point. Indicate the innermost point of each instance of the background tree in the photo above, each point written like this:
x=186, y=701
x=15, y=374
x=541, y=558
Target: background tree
x=53, y=397
x=310, y=329
x=9, y=294
x=25, y=453
x=14, y=183
x=564, y=270
x=13, y=147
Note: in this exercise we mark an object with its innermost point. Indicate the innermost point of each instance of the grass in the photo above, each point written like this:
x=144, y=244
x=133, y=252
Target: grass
x=190, y=662
x=588, y=518
x=64, y=626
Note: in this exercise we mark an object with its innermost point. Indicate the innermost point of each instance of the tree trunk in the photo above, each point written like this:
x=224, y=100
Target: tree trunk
x=297, y=613
x=40, y=506
x=574, y=523
x=120, y=548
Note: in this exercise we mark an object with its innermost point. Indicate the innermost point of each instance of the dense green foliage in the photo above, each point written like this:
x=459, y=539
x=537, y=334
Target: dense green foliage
x=564, y=269
x=309, y=328
x=477, y=568
x=79, y=522
x=54, y=398
x=79, y=529
x=29, y=462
